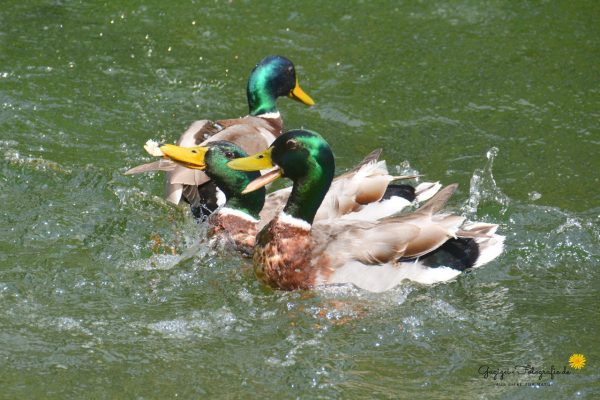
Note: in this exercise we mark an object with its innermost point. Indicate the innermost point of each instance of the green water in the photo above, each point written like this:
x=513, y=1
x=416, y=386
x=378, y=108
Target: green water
x=87, y=310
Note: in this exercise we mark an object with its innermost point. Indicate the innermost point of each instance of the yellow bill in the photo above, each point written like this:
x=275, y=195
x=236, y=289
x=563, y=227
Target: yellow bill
x=257, y=162
x=190, y=157
x=298, y=94
x=263, y=180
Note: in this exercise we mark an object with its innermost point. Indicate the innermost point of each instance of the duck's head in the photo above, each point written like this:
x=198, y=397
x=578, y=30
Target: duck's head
x=302, y=156
x=273, y=77
x=213, y=159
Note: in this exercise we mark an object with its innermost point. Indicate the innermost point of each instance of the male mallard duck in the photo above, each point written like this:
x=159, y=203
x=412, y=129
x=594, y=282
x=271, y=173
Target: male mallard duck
x=273, y=77
x=292, y=252
x=243, y=215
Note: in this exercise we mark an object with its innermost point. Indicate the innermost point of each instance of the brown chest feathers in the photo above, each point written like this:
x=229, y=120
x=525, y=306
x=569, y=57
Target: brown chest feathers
x=282, y=256
x=234, y=229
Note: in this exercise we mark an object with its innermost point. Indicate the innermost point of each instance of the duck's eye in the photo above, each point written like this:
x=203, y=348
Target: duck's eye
x=229, y=154
x=194, y=151
x=291, y=144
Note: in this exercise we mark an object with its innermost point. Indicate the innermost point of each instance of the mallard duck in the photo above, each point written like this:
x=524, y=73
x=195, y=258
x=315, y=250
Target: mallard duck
x=273, y=77
x=294, y=252
x=351, y=194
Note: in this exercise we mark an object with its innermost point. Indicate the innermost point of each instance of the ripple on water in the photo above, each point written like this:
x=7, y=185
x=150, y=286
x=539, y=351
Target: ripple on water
x=200, y=324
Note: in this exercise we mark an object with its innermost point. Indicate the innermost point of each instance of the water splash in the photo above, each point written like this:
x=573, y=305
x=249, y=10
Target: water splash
x=15, y=158
x=404, y=168
x=483, y=188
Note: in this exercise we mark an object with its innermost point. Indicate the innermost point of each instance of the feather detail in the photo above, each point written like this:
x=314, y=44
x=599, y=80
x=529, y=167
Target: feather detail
x=351, y=191
x=438, y=201
x=379, y=210
x=424, y=191
x=160, y=165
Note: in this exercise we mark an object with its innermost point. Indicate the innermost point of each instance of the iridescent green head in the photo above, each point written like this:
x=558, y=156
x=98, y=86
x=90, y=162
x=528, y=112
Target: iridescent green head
x=213, y=159
x=305, y=158
x=230, y=181
x=273, y=77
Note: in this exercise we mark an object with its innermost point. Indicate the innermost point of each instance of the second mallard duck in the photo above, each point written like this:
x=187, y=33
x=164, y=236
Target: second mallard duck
x=291, y=252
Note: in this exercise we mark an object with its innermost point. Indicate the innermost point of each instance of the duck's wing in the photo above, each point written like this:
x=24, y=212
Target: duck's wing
x=359, y=194
x=378, y=255
x=364, y=193
x=273, y=125
x=361, y=184
x=365, y=256
x=252, y=136
x=364, y=184
x=384, y=241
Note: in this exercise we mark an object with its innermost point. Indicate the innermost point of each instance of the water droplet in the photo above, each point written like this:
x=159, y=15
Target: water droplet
x=483, y=187
x=492, y=153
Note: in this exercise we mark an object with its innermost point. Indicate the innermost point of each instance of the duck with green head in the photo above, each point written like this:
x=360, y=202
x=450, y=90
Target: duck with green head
x=271, y=78
x=294, y=252
x=237, y=220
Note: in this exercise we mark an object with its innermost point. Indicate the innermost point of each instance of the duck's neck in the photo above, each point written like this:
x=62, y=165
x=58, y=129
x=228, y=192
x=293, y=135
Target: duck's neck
x=261, y=98
x=261, y=102
x=308, y=193
x=251, y=203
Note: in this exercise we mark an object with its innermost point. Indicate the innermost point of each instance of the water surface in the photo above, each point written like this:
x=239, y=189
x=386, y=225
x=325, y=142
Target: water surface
x=107, y=291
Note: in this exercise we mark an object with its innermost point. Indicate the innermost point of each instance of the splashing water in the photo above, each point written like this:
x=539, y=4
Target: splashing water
x=483, y=188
